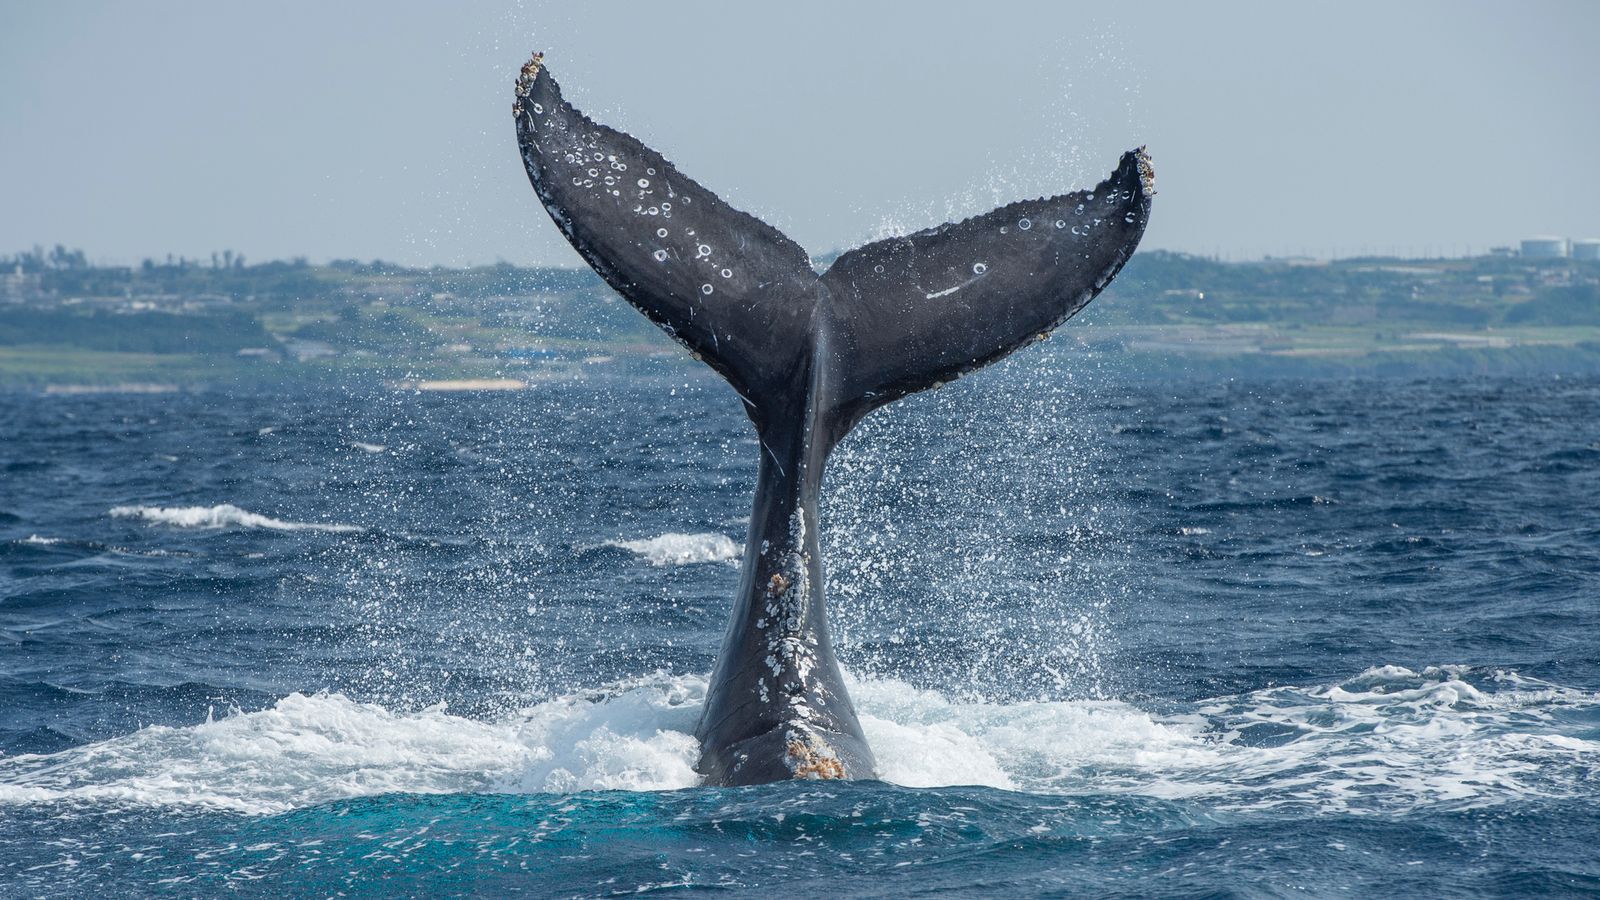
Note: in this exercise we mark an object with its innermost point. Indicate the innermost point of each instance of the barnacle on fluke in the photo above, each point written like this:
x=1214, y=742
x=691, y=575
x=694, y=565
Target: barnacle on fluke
x=810, y=356
x=1147, y=172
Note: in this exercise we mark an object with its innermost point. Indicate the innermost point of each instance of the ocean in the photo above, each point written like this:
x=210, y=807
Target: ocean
x=1109, y=635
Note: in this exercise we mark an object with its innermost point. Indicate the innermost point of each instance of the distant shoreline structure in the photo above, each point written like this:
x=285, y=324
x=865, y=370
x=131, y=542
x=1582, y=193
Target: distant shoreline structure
x=67, y=326
x=39, y=258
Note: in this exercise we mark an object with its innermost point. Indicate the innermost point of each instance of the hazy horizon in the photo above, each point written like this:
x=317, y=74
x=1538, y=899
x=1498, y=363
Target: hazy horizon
x=365, y=131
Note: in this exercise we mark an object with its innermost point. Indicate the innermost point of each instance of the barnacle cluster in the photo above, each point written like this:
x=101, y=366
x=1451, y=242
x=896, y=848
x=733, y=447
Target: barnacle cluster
x=1147, y=173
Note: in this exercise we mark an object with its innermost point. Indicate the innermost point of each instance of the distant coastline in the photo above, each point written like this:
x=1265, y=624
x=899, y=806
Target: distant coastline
x=67, y=326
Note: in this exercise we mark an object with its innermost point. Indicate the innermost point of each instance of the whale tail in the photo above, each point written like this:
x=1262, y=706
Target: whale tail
x=810, y=355
x=908, y=313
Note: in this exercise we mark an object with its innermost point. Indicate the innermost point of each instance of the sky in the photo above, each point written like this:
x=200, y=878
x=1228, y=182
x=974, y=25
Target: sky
x=376, y=130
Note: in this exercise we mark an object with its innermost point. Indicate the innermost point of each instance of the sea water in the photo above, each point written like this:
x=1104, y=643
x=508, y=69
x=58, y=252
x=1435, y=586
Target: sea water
x=1107, y=636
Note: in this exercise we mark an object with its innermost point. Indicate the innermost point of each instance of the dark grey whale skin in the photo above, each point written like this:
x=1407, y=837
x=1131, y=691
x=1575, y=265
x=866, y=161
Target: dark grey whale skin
x=810, y=356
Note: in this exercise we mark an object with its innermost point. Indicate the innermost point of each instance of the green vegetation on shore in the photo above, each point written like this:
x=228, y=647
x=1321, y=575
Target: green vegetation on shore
x=65, y=322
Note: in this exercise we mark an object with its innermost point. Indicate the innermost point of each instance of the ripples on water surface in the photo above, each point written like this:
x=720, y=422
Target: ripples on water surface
x=1107, y=636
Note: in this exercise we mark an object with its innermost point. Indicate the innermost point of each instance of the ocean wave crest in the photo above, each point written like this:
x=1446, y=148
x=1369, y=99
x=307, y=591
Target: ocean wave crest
x=312, y=749
x=220, y=516
x=677, y=549
x=1386, y=742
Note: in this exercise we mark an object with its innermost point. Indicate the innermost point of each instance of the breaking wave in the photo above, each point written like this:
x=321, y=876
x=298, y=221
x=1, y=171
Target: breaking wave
x=676, y=549
x=220, y=516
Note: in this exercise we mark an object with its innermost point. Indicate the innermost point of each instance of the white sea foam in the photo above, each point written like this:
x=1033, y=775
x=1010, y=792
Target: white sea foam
x=676, y=549
x=220, y=516
x=313, y=749
x=368, y=448
x=42, y=541
x=1385, y=742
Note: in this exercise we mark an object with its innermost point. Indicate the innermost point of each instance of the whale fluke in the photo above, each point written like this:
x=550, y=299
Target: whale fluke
x=810, y=356
x=925, y=308
x=727, y=285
